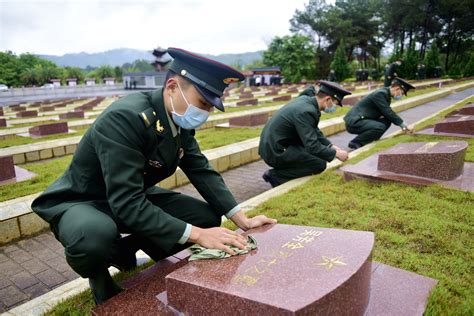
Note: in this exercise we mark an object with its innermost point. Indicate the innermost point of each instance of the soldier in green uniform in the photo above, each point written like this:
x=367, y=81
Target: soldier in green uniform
x=391, y=72
x=291, y=141
x=372, y=115
x=109, y=187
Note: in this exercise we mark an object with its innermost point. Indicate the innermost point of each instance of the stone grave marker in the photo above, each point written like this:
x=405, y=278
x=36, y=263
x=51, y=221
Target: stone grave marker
x=18, y=108
x=3, y=122
x=456, y=125
x=296, y=270
x=251, y=120
x=1, y=111
x=47, y=108
x=247, y=102
x=73, y=114
x=418, y=163
x=9, y=173
x=246, y=95
x=26, y=114
x=272, y=92
x=282, y=98
x=48, y=129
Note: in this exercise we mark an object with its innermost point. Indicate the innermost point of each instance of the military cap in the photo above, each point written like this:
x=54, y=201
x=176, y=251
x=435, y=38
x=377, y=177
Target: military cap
x=334, y=90
x=208, y=76
x=403, y=84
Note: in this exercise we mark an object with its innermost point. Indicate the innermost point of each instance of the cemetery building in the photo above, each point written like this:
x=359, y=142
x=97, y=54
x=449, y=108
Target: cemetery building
x=264, y=76
x=144, y=80
x=109, y=81
x=56, y=82
x=90, y=81
x=71, y=82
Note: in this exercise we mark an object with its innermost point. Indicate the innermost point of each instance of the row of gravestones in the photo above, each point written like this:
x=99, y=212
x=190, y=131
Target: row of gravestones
x=299, y=270
x=78, y=112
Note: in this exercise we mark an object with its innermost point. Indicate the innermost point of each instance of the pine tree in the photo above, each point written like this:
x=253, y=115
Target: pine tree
x=432, y=60
x=339, y=64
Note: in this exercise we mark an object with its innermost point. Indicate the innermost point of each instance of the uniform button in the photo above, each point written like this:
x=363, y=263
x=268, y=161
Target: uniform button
x=362, y=117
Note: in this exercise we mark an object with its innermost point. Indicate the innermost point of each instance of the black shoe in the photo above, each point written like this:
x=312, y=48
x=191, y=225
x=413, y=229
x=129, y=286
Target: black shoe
x=268, y=178
x=124, y=257
x=354, y=144
x=103, y=287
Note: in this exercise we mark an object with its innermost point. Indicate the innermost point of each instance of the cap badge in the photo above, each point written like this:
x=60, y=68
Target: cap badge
x=230, y=80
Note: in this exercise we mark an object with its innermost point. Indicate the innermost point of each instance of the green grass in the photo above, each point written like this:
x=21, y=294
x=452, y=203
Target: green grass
x=15, y=140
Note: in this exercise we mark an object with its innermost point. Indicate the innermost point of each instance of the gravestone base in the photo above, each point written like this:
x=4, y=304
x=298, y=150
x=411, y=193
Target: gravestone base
x=294, y=270
x=9, y=173
x=468, y=109
x=421, y=164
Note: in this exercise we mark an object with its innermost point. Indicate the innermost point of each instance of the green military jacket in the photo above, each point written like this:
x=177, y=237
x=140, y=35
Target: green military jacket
x=129, y=148
x=295, y=124
x=373, y=106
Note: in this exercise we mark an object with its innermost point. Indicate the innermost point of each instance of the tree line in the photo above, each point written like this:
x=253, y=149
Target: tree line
x=27, y=70
x=366, y=34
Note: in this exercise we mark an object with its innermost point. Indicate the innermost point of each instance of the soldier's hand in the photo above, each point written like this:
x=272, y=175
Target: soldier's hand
x=342, y=155
x=260, y=220
x=217, y=238
x=408, y=130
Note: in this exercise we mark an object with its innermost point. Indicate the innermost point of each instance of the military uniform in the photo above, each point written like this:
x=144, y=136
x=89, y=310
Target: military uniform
x=390, y=74
x=109, y=187
x=291, y=141
x=372, y=116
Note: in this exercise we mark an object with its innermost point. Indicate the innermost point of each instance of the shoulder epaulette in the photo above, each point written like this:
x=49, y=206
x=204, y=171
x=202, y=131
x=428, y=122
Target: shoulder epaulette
x=148, y=116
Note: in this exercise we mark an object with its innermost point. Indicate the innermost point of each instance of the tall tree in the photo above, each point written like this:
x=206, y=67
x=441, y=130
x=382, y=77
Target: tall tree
x=339, y=64
x=294, y=55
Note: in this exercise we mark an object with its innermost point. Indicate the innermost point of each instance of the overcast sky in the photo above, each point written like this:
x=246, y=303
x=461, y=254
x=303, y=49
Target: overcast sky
x=207, y=26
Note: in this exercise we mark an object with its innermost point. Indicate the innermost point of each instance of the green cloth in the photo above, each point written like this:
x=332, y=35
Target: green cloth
x=199, y=252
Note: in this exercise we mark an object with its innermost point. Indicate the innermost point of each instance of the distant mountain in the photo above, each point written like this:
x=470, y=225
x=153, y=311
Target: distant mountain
x=120, y=56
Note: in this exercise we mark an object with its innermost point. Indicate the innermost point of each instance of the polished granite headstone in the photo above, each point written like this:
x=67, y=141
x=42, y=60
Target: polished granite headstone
x=455, y=125
x=1, y=111
x=468, y=109
x=17, y=108
x=247, y=102
x=49, y=129
x=282, y=98
x=48, y=108
x=246, y=95
x=27, y=114
x=295, y=270
x=418, y=164
x=3, y=122
x=9, y=173
x=251, y=120
x=73, y=114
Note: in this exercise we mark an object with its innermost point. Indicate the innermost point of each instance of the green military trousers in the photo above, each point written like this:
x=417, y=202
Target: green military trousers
x=294, y=163
x=368, y=130
x=90, y=235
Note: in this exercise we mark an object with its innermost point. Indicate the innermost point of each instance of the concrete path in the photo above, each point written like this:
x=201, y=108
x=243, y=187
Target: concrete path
x=34, y=266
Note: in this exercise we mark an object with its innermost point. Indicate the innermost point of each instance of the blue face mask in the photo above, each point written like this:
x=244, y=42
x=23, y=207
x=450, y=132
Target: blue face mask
x=192, y=118
x=330, y=109
x=398, y=97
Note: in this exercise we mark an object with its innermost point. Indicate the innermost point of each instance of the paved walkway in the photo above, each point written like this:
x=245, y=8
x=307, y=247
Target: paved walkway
x=34, y=266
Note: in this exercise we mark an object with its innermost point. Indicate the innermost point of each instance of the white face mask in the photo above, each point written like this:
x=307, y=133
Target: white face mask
x=192, y=118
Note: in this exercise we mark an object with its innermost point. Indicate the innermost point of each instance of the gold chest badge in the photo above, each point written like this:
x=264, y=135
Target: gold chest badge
x=160, y=129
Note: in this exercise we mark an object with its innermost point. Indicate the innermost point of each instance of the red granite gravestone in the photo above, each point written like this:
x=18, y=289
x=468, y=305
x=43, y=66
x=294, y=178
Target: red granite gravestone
x=247, y=102
x=468, y=109
x=292, y=90
x=253, y=88
x=247, y=95
x=7, y=168
x=73, y=114
x=249, y=120
x=295, y=270
x=26, y=114
x=350, y=100
x=1, y=111
x=282, y=98
x=18, y=108
x=418, y=164
x=456, y=125
x=46, y=108
x=9, y=173
x=3, y=122
x=273, y=92
x=35, y=105
x=49, y=129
